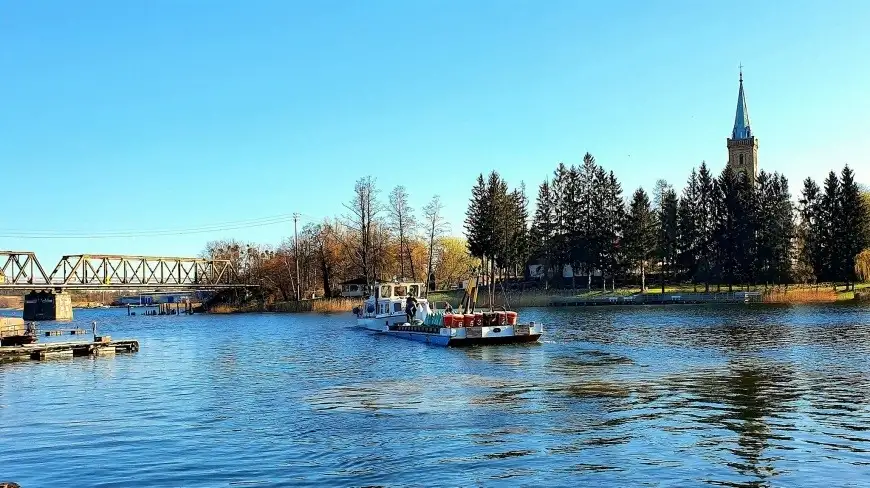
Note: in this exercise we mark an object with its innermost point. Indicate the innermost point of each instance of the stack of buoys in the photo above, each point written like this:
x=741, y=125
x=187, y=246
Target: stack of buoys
x=447, y=320
x=478, y=319
x=468, y=320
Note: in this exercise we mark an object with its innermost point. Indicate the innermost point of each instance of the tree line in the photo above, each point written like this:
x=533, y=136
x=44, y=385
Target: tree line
x=721, y=230
x=372, y=240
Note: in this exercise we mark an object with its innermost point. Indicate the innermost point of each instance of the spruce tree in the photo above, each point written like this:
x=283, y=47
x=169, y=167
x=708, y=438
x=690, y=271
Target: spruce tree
x=810, y=255
x=562, y=209
x=774, y=229
x=596, y=233
x=727, y=233
x=706, y=225
x=851, y=226
x=689, y=240
x=542, y=235
x=747, y=230
x=639, y=234
x=829, y=235
x=614, y=217
x=668, y=234
x=587, y=232
x=476, y=233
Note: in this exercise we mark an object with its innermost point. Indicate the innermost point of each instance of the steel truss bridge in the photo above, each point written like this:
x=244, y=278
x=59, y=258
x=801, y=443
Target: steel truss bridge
x=22, y=271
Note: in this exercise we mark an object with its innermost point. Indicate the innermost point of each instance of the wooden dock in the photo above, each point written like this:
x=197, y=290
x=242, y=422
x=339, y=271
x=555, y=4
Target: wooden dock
x=49, y=350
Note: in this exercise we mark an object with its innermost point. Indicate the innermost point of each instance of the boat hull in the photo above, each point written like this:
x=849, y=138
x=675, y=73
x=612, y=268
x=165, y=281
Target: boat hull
x=460, y=336
x=487, y=341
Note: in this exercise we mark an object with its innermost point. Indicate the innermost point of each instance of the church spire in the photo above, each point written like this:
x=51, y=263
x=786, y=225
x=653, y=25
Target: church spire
x=741, y=119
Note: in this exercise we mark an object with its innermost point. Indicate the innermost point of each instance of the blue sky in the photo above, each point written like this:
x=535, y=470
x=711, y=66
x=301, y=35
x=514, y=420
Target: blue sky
x=143, y=115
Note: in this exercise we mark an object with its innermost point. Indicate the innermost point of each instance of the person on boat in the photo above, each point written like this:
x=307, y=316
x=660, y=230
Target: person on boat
x=410, y=308
x=448, y=308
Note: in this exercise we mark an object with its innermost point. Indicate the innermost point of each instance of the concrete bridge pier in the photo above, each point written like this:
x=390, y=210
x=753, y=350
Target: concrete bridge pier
x=47, y=305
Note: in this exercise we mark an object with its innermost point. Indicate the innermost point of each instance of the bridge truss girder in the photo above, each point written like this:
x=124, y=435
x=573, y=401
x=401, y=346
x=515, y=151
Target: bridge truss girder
x=92, y=271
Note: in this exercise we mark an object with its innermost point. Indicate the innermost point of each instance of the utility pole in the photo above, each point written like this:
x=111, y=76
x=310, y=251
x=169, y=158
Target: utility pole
x=296, y=249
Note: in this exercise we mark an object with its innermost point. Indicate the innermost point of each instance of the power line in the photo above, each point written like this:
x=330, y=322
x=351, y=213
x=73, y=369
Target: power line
x=229, y=225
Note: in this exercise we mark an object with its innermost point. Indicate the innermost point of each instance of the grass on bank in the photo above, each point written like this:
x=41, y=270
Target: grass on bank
x=793, y=294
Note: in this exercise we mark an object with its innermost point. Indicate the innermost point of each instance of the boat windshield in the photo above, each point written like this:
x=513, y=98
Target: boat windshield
x=386, y=291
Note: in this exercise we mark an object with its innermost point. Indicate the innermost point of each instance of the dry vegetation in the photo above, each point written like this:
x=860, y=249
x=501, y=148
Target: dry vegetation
x=800, y=295
x=11, y=302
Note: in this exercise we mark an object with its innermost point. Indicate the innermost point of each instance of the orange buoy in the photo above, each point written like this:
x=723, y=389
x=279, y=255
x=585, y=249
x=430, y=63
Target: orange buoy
x=478, y=319
x=511, y=318
x=468, y=320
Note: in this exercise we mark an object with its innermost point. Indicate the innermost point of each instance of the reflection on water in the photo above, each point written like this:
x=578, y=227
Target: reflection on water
x=680, y=396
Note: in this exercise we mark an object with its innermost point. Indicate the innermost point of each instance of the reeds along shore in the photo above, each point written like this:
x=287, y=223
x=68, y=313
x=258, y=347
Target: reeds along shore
x=545, y=298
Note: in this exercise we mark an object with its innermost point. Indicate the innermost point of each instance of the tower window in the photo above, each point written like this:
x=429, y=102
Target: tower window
x=741, y=160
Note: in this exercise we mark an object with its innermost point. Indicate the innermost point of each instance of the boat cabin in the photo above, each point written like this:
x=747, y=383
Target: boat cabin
x=389, y=300
x=354, y=288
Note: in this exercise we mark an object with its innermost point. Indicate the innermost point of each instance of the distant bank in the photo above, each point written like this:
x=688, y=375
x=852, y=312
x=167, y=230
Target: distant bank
x=567, y=298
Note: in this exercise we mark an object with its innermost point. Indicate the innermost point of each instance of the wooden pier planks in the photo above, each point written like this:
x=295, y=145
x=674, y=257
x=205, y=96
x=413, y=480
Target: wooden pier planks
x=65, y=349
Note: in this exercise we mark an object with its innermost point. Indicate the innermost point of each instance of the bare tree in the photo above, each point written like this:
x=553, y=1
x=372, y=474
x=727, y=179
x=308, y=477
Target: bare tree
x=435, y=226
x=403, y=222
x=362, y=216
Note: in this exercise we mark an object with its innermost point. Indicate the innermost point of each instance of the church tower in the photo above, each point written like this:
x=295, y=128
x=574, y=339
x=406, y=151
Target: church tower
x=742, y=145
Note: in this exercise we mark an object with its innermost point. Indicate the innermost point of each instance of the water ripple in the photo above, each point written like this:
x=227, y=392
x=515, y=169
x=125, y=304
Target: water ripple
x=646, y=396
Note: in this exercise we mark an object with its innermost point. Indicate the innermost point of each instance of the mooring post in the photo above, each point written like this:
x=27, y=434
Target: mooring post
x=128, y=310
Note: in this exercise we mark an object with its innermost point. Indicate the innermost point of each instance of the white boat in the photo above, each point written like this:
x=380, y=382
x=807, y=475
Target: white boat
x=384, y=313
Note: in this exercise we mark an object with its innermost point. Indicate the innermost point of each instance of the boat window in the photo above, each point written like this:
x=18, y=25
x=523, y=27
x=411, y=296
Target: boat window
x=415, y=290
x=353, y=288
x=401, y=291
x=397, y=307
x=386, y=291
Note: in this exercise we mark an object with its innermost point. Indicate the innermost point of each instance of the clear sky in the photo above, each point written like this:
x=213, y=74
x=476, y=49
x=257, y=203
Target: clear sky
x=167, y=114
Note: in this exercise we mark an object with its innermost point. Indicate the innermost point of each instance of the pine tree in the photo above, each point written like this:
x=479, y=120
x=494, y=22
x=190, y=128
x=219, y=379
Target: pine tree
x=519, y=233
x=596, y=228
x=774, y=229
x=747, y=230
x=639, y=234
x=614, y=217
x=668, y=233
x=542, y=235
x=590, y=180
x=727, y=227
x=783, y=223
x=689, y=240
x=850, y=225
x=810, y=254
x=829, y=244
x=576, y=203
x=705, y=226
x=475, y=221
x=562, y=208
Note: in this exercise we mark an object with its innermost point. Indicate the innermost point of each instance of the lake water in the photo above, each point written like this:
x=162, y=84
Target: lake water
x=679, y=396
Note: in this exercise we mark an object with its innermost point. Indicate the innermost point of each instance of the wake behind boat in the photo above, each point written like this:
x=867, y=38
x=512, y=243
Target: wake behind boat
x=386, y=312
